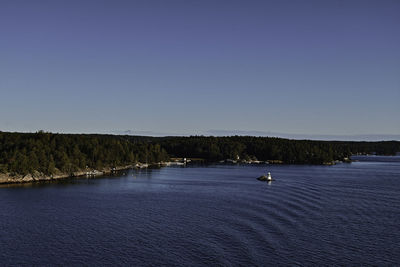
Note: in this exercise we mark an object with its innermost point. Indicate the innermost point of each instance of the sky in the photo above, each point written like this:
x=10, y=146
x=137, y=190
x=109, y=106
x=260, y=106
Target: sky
x=315, y=68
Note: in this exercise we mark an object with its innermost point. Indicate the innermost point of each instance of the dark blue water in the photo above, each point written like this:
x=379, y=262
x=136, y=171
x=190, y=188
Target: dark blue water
x=347, y=214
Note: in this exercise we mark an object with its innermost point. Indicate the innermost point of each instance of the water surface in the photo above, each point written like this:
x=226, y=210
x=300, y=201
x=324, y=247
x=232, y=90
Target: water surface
x=347, y=214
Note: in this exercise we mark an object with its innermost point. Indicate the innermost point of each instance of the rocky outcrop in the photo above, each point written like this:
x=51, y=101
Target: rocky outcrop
x=8, y=178
x=264, y=178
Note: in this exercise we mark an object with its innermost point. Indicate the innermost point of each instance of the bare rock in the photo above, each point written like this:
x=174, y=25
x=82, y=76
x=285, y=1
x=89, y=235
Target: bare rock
x=28, y=178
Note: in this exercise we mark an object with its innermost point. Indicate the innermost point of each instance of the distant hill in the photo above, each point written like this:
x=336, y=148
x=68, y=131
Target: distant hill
x=321, y=137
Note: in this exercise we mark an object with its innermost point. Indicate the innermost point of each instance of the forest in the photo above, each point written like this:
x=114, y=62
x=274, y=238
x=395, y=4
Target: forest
x=271, y=148
x=49, y=153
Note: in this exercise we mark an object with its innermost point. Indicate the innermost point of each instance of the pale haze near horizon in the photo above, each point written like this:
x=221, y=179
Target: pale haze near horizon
x=316, y=68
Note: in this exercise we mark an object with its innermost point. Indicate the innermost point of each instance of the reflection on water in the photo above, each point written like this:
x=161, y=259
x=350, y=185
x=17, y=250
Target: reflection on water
x=218, y=215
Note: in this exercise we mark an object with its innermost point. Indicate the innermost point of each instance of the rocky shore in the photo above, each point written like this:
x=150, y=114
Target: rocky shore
x=7, y=178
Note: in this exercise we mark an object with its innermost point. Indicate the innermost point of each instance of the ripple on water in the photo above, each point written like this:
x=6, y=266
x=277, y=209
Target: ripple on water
x=218, y=215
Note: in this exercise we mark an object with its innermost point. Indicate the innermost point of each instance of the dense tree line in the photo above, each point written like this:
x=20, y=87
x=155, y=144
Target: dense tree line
x=260, y=148
x=268, y=148
x=50, y=153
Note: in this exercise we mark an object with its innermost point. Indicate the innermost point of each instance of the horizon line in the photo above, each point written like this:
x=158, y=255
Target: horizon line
x=231, y=133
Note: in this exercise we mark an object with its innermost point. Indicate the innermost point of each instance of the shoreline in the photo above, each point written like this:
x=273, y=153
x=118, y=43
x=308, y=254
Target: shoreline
x=6, y=178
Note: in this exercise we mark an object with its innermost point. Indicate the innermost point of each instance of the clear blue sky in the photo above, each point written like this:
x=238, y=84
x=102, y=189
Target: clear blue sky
x=188, y=67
